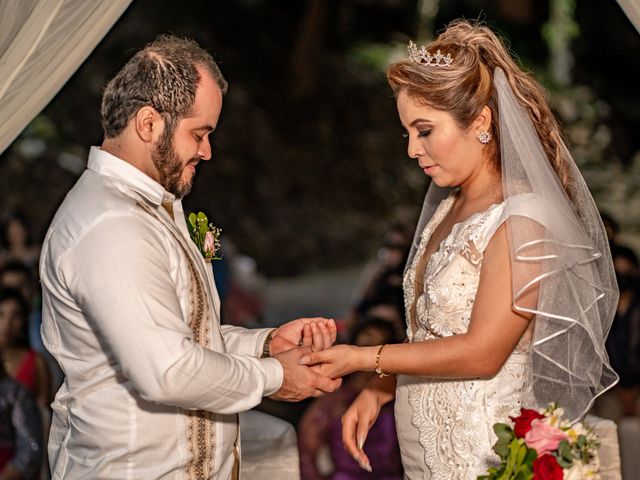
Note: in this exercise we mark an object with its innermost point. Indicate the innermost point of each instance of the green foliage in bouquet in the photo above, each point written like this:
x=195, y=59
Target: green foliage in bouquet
x=517, y=459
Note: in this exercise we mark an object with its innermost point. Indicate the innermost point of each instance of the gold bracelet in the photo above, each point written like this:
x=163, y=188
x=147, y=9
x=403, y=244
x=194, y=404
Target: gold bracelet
x=381, y=373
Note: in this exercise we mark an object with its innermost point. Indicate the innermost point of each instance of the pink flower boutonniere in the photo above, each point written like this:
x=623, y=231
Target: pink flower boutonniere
x=205, y=235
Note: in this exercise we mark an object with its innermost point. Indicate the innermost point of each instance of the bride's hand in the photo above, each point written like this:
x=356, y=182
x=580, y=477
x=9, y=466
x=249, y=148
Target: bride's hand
x=356, y=423
x=339, y=360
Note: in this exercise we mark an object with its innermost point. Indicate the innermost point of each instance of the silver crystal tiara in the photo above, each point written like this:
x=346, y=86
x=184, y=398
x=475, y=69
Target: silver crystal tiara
x=423, y=57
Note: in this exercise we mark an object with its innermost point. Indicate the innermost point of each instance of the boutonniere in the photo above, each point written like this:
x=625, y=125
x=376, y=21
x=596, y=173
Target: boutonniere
x=205, y=235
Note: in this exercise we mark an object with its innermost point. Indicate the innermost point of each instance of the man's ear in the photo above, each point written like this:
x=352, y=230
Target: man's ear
x=482, y=123
x=149, y=124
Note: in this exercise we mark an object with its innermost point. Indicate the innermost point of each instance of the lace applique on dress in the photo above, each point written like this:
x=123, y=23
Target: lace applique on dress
x=455, y=418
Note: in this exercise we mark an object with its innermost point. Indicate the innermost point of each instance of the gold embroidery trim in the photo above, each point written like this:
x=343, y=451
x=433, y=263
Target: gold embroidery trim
x=201, y=433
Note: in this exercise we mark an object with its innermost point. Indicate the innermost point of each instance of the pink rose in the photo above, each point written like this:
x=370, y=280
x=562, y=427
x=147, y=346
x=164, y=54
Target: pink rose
x=543, y=438
x=209, y=244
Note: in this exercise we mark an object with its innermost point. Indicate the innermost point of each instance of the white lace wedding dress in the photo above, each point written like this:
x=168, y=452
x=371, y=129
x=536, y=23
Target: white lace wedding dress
x=445, y=426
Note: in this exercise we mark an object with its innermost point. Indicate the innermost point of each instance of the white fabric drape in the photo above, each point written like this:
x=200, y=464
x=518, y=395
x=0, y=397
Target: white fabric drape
x=632, y=9
x=42, y=43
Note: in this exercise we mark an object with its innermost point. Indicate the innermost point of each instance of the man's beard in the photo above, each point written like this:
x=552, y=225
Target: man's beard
x=169, y=167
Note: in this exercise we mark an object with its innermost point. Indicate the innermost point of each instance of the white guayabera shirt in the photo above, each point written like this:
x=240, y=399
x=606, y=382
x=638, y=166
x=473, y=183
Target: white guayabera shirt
x=119, y=302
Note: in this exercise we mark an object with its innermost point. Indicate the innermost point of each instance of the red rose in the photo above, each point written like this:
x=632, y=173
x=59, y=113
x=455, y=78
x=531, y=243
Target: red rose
x=546, y=468
x=522, y=424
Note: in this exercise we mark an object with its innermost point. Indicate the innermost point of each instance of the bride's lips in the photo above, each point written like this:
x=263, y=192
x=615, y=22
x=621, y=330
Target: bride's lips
x=429, y=169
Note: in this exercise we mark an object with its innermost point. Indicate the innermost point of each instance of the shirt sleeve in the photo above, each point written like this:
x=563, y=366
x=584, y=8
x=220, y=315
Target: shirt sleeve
x=120, y=276
x=245, y=341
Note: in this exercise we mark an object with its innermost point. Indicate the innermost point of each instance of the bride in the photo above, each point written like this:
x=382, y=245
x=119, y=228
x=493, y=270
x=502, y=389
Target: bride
x=509, y=287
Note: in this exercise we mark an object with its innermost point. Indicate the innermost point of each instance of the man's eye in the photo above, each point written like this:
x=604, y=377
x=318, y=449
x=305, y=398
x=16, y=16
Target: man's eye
x=198, y=137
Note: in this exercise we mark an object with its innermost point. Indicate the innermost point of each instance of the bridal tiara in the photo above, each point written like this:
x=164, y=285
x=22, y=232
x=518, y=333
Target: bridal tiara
x=423, y=57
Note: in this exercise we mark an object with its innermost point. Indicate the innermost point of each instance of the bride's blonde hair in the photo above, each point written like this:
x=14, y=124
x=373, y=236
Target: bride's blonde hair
x=466, y=86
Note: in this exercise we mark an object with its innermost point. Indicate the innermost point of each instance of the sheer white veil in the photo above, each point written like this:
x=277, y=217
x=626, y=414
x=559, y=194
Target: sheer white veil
x=558, y=247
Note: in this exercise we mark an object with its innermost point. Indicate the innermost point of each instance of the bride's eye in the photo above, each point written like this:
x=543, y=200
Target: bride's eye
x=405, y=134
x=424, y=133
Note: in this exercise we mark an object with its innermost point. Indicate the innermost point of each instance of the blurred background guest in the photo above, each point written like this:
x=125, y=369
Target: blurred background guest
x=16, y=275
x=623, y=342
x=21, y=362
x=322, y=455
x=21, y=437
x=380, y=282
x=16, y=241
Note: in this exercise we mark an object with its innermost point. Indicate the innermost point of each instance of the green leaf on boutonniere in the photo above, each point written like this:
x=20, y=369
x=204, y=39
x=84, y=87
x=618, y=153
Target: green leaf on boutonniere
x=205, y=235
x=192, y=220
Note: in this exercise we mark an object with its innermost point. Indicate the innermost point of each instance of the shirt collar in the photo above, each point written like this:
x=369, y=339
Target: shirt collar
x=114, y=167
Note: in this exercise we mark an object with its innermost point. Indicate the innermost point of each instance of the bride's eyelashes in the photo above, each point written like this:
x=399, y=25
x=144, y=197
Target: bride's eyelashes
x=421, y=134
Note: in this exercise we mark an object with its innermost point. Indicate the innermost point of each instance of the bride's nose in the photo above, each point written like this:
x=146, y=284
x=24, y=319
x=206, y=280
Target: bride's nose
x=414, y=149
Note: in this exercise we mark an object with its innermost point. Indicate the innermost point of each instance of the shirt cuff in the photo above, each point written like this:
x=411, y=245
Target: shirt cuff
x=274, y=375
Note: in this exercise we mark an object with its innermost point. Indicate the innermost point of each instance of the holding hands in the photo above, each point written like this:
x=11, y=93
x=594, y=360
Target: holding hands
x=341, y=360
x=289, y=343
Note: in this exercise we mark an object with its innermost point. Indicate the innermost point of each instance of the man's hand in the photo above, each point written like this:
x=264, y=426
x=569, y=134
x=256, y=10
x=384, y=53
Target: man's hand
x=299, y=381
x=315, y=333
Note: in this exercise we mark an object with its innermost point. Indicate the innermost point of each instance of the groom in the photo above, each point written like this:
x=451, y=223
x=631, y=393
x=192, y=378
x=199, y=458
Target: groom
x=130, y=311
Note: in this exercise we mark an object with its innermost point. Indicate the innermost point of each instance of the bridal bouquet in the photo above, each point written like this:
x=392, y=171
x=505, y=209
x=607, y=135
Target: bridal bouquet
x=542, y=445
x=205, y=235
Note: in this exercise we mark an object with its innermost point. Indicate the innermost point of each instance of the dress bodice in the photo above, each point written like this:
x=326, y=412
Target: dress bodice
x=455, y=418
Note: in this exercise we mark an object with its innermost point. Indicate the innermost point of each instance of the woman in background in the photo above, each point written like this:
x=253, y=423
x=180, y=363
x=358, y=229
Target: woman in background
x=20, y=431
x=20, y=361
x=321, y=425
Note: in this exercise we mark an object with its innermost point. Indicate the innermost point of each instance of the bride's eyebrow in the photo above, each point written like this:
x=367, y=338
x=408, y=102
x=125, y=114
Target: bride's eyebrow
x=419, y=120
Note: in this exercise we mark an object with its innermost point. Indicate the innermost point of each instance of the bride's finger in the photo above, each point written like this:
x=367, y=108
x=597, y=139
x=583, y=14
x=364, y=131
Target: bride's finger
x=313, y=358
x=350, y=425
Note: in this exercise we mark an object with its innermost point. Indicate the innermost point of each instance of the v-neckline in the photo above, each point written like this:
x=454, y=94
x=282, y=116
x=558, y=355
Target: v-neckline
x=443, y=209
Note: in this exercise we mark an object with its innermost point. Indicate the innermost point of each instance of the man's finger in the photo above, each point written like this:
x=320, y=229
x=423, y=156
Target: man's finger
x=328, y=385
x=321, y=337
x=316, y=345
x=326, y=336
x=307, y=339
x=333, y=330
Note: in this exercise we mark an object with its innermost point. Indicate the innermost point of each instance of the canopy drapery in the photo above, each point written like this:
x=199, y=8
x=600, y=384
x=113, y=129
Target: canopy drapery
x=42, y=43
x=632, y=9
